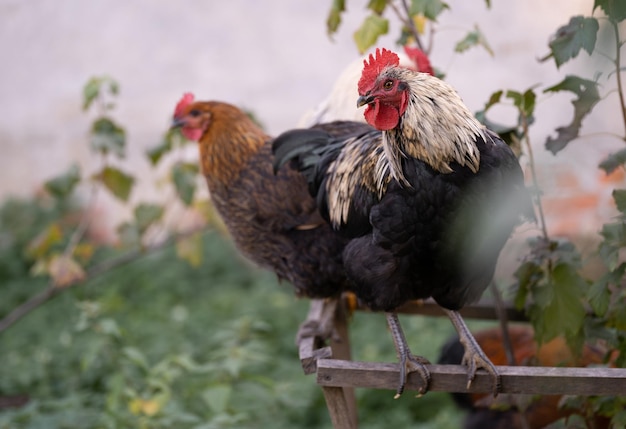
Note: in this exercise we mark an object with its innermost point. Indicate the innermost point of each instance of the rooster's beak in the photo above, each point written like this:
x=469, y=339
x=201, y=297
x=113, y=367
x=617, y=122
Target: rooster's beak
x=364, y=99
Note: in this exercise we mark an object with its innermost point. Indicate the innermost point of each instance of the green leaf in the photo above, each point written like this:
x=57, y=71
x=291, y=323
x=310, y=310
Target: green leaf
x=129, y=234
x=146, y=215
x=580, y=33
x=137, y=358
x=217, y=397
x=94, y=88
x=367, y=35
x=565, y=313
x=184, y=178
x=619, y=419
x=525, y=102
x=62, y=186
x=528, y=275
x=600, y=296
x=614, y=238
x=587, y=93
x=619, y=195
x=377, y=6
x=334, y=16
x=189, y=249
x=44, y=241
x=119, y=183
x=613, y=161
x=614, y=9
x=493, y=99
x=429, y=8
x=91, y=92
x=107, y=137
x=473, y=38
x=508, y=133
x=171, y=139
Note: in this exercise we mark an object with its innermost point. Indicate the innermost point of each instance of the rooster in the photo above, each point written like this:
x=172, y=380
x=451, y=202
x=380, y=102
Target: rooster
x=538, y=412
x=272, y=219
x=427, y=199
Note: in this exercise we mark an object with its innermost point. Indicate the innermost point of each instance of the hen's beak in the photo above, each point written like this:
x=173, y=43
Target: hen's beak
x=178, y=122
x=364, y=99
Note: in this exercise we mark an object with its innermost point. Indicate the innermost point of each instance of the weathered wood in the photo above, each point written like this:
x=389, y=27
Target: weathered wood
x=341, y=350
x=311, y=348
x=310, y=352
x=453, y=378
x=481, y=310
x=340, y=414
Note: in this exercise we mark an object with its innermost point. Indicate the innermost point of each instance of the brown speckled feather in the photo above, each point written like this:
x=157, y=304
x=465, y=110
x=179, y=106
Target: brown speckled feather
x=272, y=218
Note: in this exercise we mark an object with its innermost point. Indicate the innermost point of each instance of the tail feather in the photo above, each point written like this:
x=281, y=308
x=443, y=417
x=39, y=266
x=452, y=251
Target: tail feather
x=299, y=145
x=308, y=150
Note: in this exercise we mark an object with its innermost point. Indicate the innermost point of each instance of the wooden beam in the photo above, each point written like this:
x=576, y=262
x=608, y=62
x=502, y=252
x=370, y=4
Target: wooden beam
x=453, y=378
x=481, y=310
x=338, y=408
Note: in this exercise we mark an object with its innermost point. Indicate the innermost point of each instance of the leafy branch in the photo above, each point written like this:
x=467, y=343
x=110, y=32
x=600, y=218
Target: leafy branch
x=414, y=15
x=62, y=255
x=94, y=272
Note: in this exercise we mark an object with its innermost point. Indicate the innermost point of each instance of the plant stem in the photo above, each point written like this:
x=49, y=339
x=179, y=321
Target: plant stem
x=408, y=22
x=94, y=272
x=535, y=180
x=620, y=91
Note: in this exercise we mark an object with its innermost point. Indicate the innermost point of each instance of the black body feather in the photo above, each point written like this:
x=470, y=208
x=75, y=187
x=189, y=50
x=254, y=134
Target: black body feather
x=439, y=236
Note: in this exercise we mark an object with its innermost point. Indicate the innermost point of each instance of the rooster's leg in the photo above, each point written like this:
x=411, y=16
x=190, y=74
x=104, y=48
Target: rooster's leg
x=408, y=362
x=474, y=356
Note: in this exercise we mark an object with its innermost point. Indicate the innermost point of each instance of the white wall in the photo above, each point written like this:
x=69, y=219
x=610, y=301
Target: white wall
x=270, y=56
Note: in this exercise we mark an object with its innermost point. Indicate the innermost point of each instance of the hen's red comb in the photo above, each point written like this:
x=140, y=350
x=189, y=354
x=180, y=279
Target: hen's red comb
x=184, y=102
x=384, y=58
x=420, y=59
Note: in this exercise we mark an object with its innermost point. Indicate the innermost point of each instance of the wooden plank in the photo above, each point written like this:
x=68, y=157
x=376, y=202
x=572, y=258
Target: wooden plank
x=311, y=349
x=453, y=378
x=481, y=310
x=338, y=409
x=310, y=353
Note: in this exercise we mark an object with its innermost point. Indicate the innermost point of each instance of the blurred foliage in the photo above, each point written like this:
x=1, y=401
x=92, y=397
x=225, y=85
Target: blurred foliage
x=160, y=344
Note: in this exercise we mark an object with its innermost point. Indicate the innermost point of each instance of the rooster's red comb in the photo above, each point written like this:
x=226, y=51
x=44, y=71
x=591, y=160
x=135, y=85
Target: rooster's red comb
x=184, y=102
x=384, y=58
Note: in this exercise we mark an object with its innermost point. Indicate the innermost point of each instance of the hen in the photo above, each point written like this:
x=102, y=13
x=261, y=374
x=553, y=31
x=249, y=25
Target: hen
x=272, y=219
x=427, y=199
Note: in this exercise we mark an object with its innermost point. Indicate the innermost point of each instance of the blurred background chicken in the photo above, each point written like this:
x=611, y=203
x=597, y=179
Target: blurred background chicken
x=521, y=412
x=272, y=219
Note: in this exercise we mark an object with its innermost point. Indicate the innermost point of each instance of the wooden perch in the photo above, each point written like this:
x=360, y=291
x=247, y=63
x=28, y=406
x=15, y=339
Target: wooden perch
x=453, y=378
x=480, y=310
x=338, y=375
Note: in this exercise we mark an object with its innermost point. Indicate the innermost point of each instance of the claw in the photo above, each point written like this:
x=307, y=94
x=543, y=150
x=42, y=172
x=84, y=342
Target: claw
x=408, y=362
x=474, y=356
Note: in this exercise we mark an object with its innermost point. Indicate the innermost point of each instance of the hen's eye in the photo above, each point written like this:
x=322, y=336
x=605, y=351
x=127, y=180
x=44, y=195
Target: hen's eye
x=388, y=85
x=194, y=113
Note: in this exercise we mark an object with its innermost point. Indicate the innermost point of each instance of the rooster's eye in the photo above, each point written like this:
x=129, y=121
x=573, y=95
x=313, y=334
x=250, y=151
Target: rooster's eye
x=388, y=85
x=194, y=113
